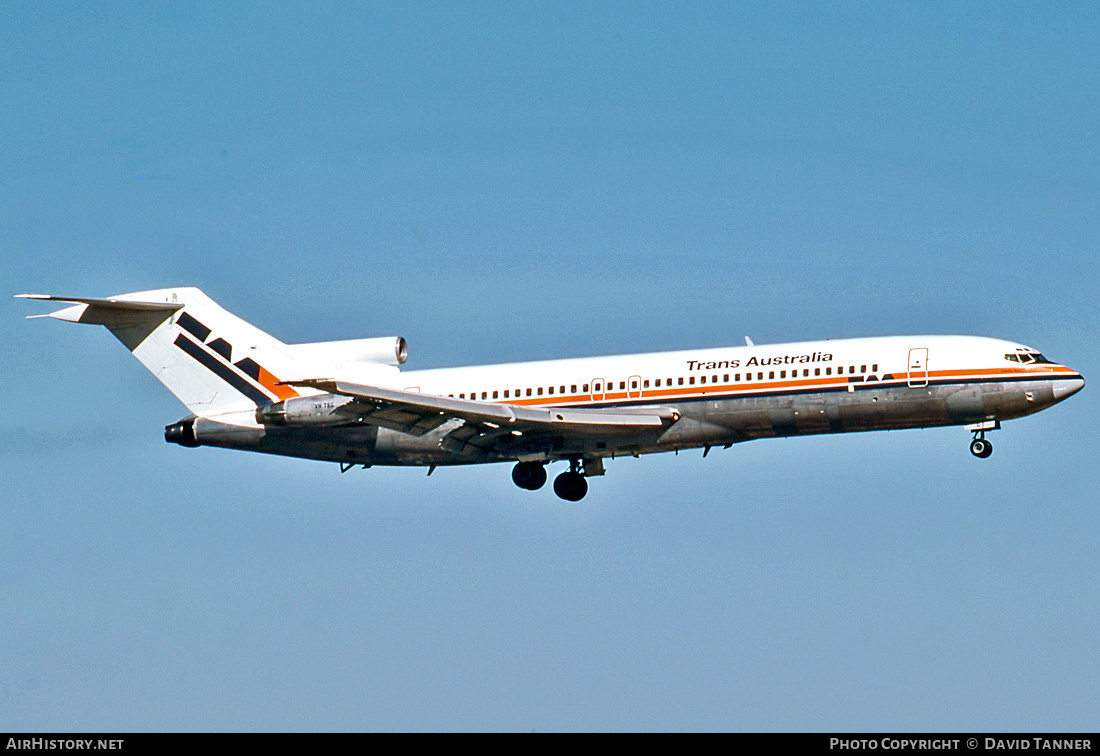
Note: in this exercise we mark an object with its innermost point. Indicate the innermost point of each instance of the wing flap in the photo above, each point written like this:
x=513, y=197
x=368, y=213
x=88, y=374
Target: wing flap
x=394, y=417
x=417, y=413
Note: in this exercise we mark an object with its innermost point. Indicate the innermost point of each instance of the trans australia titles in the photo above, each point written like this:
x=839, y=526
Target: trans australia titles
x=754, y=361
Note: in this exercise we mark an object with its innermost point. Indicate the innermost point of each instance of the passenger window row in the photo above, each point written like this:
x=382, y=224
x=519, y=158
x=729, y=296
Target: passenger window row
x=598, y=387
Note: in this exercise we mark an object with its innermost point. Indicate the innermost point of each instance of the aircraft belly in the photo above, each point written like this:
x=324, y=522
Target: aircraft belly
x=1004, y=401
x=811, y=416
x=782, y=421
x=863, y=409
x=432, y=448
x=355, y=444
x=966, y=405
x=689, y=432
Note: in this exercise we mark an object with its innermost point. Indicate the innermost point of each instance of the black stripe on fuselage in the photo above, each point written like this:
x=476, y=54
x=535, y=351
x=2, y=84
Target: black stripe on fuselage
x=211, y=363
x=249, y=367
x=192, y=326
x=222, y=347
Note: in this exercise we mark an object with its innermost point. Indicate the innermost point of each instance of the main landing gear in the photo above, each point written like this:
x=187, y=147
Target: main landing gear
x=529, y=475
x=980, y=446
x=570, y=485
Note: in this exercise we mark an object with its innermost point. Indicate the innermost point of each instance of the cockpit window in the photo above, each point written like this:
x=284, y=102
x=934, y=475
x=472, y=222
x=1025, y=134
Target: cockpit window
x=1027, y=357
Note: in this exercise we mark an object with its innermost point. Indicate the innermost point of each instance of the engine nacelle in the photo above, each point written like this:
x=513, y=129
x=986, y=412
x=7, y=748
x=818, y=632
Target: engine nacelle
x=386, y=350
x=305, y=410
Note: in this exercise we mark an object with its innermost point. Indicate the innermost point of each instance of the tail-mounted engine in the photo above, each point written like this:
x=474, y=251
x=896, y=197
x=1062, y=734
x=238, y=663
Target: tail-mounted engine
x=323, y=409
x=323, y=355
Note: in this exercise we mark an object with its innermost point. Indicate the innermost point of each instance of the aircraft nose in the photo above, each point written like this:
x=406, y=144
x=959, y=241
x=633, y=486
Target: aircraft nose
x=1067, y=388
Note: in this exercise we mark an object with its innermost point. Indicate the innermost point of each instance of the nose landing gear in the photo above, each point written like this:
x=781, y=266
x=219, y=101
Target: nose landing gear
x=980, y=447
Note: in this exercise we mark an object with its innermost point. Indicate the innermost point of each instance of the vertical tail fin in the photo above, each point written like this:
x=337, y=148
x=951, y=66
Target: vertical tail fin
x=210, y=359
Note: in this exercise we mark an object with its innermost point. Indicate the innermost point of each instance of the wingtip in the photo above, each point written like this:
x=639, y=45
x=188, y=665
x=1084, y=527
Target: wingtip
x=32, y=296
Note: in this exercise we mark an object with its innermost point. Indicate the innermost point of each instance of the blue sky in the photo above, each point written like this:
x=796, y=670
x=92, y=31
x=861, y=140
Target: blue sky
x=502, y=183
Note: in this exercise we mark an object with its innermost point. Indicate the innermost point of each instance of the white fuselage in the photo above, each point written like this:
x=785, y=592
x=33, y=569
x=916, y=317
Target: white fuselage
x=720, y=396
x=730, y=372
x=349, y=401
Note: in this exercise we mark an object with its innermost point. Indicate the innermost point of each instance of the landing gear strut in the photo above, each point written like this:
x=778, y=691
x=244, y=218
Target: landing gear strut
x=529, y=475
x=980, y=447
x=571, y=485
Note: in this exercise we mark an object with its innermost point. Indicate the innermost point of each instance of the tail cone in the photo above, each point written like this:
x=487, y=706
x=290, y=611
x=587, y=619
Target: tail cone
x=182, y=433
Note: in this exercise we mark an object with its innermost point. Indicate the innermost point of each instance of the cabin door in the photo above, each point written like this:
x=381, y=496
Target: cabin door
x=918, y=367
x=599, y=389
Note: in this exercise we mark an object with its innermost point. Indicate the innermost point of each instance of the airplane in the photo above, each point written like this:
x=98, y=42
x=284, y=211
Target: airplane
x=349, y=401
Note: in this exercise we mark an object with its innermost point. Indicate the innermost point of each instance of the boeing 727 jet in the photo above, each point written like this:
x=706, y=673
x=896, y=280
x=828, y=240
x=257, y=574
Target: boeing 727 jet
x=349, y=401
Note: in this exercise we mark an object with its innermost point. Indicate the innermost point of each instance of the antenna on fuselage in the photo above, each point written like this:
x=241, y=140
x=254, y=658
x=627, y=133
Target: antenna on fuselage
x=748, y=342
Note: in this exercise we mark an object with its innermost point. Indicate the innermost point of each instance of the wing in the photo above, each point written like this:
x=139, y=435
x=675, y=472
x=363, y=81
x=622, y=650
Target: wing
x=486, y=425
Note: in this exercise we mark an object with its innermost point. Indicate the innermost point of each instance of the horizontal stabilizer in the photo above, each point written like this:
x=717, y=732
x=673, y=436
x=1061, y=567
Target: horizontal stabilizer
x=118, y=304
x=107, y=312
